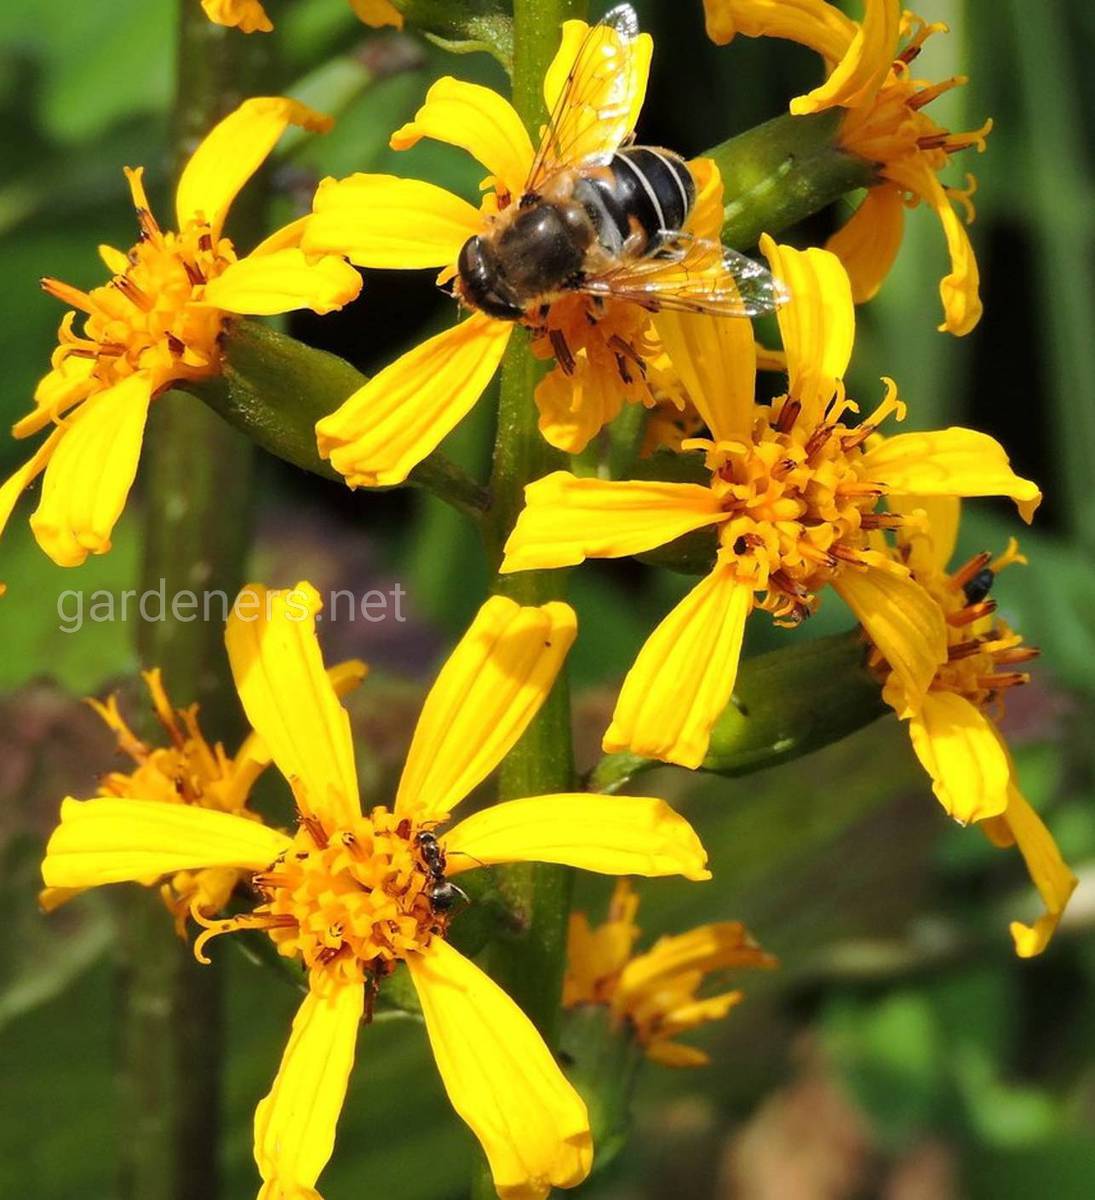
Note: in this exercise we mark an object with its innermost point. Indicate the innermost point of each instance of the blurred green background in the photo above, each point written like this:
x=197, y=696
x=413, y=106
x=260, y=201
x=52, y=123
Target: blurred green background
x=901, y=1051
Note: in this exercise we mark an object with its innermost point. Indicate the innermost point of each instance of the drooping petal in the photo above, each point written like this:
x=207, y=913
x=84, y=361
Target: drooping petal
x=817, y=324
x=861, y=72
x=959, y=290
x=233, y=151
x=389, y=426
x=950, y=462
x=377, y=13
x=279, y=281
x=115, y=840
x=929, y=552
x=903, y=621
x=295, y=1122
x=613, y=835
x=385, y=221
x=567, y=519
x=489, y=689
x=91, y=471
x=248, y=16
x=588, y=130
x=289, y=699
x=18, y=482
x=813, y=23
x=959, y=749
x=716, y=358
x=684, y=675
x=867, y=244
x=501, y=1078
x=476, y=119
x=1048, y=871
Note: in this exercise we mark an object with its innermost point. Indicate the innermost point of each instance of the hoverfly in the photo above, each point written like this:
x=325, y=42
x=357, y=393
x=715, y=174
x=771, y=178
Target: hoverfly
x=607, y=224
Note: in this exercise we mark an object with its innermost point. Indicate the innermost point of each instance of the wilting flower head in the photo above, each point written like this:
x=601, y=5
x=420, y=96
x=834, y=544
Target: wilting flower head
x=953, y=724
x=655, y=994
x=606, y=350
x=188, y=770
x=156, y=323
x=870, y=76
x=793, y=491
x=249, y=16
x=352, y=894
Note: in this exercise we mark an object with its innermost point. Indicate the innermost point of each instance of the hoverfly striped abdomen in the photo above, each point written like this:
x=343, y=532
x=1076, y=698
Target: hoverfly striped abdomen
x=639, y=195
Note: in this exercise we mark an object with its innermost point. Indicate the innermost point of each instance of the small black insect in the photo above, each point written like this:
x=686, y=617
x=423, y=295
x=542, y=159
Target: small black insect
x=977, y=589
x=442, y=894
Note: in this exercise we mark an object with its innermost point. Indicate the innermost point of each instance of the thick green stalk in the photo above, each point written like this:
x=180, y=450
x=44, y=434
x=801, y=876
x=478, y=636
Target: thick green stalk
x=783, y=171
x=196, y=476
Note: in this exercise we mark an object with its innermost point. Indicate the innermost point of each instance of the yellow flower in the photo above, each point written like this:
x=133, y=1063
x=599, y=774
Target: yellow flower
x=869, y=75
x=159, y=322
x=188, y=771
x=249, y=16
x=353, y=894
x=952, y=725
x=655, y=994
x=793, y=491
x=606, y=350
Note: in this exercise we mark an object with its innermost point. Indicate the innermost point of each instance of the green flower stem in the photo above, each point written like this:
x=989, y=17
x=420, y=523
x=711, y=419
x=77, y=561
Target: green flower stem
x=196, y=477
x=274, y=389
x=786, y=704
x=530, y=965
x=782, y=172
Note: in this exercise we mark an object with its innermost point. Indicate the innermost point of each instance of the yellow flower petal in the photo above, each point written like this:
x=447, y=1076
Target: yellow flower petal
x=705, y=219
x=684, y=675
x=289, y=700
x=603, y=112
x=813, y=23
x=281, y=280
x=377, y=13
x=567, y=519
x=576, y=407
x=112, y=840
x=867, y=244
x=476, y=119
x=817, y=324
x=18, y=482
x=860, y=73
x=716, y=359
x=959, y=749
x=501, y=1078
x=482, y=701
x=248, y=16
x=91, y=471
x=233, y=151
x=929, y=552
x=903, y=621
x=613, y=835
x=675, y=1054
x=295, y=1122
x=385, y=221
x=950, y=462
x=389, y=426
x=960, y=290
x=69, y=382
x=1048, y=871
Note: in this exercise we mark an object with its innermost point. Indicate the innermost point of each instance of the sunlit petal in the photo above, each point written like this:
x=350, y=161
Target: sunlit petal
x=684, y=675
x=289, y=699
x=814, y=23
x=295, y=1122
x=279, y=281
x=501, y=1078
x=868, y=243
x=862, y=70
x=389, y=426
x=114, y=840
x=489, y=689
x=613, y=835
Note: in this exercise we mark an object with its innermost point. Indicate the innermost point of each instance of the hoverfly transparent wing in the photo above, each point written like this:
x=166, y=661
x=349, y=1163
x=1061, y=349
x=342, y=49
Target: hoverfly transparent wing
x=594, y=113
x=690, y=274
